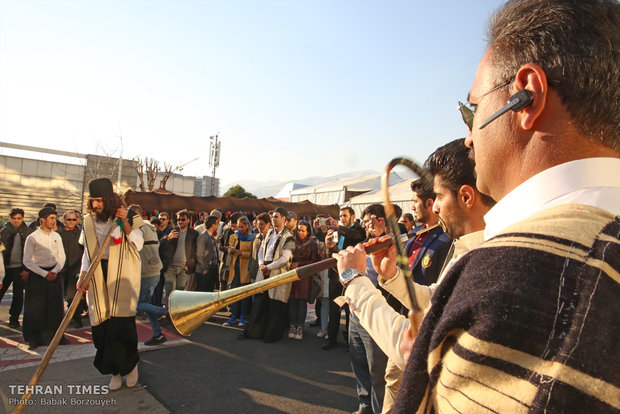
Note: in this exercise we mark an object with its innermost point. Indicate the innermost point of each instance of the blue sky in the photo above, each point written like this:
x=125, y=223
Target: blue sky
x=294, y=88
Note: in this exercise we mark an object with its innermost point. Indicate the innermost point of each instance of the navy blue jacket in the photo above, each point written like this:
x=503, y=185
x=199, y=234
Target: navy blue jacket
x=431, y=256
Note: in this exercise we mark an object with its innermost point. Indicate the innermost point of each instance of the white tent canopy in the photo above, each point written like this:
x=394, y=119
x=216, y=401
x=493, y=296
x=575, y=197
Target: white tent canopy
x=285, y=192
x=342, y=190
x=400, y=193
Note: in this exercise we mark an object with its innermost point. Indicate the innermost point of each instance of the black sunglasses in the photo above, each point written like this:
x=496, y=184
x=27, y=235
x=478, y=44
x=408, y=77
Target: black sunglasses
x=468, y=111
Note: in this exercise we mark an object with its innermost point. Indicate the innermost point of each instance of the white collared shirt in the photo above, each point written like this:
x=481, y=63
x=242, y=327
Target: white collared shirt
x=44, y=250
x=593, y=182
x=267, y=255
x=101, y=230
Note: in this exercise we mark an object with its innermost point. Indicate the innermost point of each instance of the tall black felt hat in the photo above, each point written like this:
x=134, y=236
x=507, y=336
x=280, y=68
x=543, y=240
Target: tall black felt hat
x=100, y=187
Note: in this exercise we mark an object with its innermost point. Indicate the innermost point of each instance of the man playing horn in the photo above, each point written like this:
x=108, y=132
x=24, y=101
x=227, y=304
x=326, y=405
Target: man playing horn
x=526, y=322
x=461, y=207
x=115, y=285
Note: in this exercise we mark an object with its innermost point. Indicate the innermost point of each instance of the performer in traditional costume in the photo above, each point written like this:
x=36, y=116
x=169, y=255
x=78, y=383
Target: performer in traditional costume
x=114, y=288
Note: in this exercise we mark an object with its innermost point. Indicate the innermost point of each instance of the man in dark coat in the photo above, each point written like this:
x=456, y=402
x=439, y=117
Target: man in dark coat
x=70, y=235
x=13, y=236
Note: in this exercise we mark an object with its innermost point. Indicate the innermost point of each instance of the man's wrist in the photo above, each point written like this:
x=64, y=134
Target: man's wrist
x=348, y=275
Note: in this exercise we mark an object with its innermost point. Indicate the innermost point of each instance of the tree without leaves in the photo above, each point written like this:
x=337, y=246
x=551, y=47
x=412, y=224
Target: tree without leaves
x=152, y=168
x=238, y=192
x=148, y=167
x=167, y=173
x=140, y=171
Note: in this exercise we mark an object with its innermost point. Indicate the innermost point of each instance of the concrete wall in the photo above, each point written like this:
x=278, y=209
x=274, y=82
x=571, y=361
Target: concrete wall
x=177, y=184
x=29, y=183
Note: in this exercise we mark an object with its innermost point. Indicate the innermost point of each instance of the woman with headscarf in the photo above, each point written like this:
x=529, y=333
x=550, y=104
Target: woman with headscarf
x=306, y=252
x=240, y=251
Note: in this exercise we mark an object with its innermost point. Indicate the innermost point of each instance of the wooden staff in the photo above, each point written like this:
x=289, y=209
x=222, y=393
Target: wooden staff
x=63, y=325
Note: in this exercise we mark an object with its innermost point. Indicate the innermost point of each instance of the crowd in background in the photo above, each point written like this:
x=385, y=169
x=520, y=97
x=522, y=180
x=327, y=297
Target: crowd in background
x=206, y=252
x=211, y=252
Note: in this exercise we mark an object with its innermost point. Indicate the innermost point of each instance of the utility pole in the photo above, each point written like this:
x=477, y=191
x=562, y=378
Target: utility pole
x=214, y=159
x=120, y=166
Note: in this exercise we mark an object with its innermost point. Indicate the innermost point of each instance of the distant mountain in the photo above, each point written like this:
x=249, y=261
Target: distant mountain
x=263, y=189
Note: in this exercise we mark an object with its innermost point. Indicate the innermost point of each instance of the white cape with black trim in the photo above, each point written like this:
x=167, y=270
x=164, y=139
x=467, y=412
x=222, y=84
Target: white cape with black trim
x=118, y=297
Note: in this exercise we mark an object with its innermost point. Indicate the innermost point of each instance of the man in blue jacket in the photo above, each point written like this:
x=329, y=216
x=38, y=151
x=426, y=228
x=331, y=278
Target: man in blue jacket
x=427, y=251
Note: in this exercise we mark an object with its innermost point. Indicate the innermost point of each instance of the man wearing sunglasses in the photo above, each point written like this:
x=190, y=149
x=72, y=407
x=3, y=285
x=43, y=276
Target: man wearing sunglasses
x=70, y=236
x=528, y=320
x=178, y=254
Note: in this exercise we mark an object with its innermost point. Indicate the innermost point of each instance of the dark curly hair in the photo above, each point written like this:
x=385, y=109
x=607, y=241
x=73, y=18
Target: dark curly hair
x=111, y=203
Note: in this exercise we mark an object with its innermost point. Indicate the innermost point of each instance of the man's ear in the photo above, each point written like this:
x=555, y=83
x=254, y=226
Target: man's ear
x=467, y=195
x=533, y=78
x=429, y=204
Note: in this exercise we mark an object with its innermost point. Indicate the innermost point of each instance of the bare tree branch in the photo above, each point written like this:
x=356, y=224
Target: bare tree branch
x=140, y=171
x=152, y=168
x=167, y=173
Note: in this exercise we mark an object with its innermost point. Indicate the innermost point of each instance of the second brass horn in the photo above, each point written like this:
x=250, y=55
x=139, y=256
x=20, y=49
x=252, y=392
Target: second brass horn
x=188, y=310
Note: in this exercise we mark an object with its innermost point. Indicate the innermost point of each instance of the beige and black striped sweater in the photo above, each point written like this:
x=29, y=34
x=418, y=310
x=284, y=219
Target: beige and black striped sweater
x=529, y=321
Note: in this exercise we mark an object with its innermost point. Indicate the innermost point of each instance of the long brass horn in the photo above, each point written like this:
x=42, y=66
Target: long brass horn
x=188, y=310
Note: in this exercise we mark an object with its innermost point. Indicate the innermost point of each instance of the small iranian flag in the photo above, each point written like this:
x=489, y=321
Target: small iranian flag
x=117, y=233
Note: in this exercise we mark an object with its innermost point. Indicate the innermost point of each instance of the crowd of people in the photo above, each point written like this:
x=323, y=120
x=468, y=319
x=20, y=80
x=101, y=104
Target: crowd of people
x=48, y=259
x=508, y=305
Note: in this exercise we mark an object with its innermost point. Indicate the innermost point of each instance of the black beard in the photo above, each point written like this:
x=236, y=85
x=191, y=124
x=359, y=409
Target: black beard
x=103, y=216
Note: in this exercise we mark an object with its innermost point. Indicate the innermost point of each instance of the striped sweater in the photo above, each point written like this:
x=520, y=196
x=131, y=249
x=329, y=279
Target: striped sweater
x=529, y=321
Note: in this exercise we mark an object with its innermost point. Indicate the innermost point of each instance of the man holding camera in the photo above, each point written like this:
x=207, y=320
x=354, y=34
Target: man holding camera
x=339, y=236
x=178, y=254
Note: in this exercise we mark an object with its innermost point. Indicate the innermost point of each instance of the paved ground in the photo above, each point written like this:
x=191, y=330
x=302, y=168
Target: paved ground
x=210, y=372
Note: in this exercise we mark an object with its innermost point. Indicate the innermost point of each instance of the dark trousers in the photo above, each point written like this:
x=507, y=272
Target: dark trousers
x=268, y=319
x=277, y=320
x=116, y=341
x=158, y=293
x=69, y=278
x=335, y=290
x=239, y=309
x=43, y=309
x=317, y=312
x=12, y=276
x=368, y=362
x=255, y=328
x=298, y=310
x=208, y=281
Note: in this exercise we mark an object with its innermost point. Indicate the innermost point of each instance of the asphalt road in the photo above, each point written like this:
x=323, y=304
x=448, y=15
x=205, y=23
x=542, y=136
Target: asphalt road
x=219, y=373
x=211, y=372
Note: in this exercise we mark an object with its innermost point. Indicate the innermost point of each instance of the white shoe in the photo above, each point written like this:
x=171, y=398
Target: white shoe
x=291, y=332
x=230, y=322
x=299, y=333
x=132, y=378
x=116, y=382
x=322, y=333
